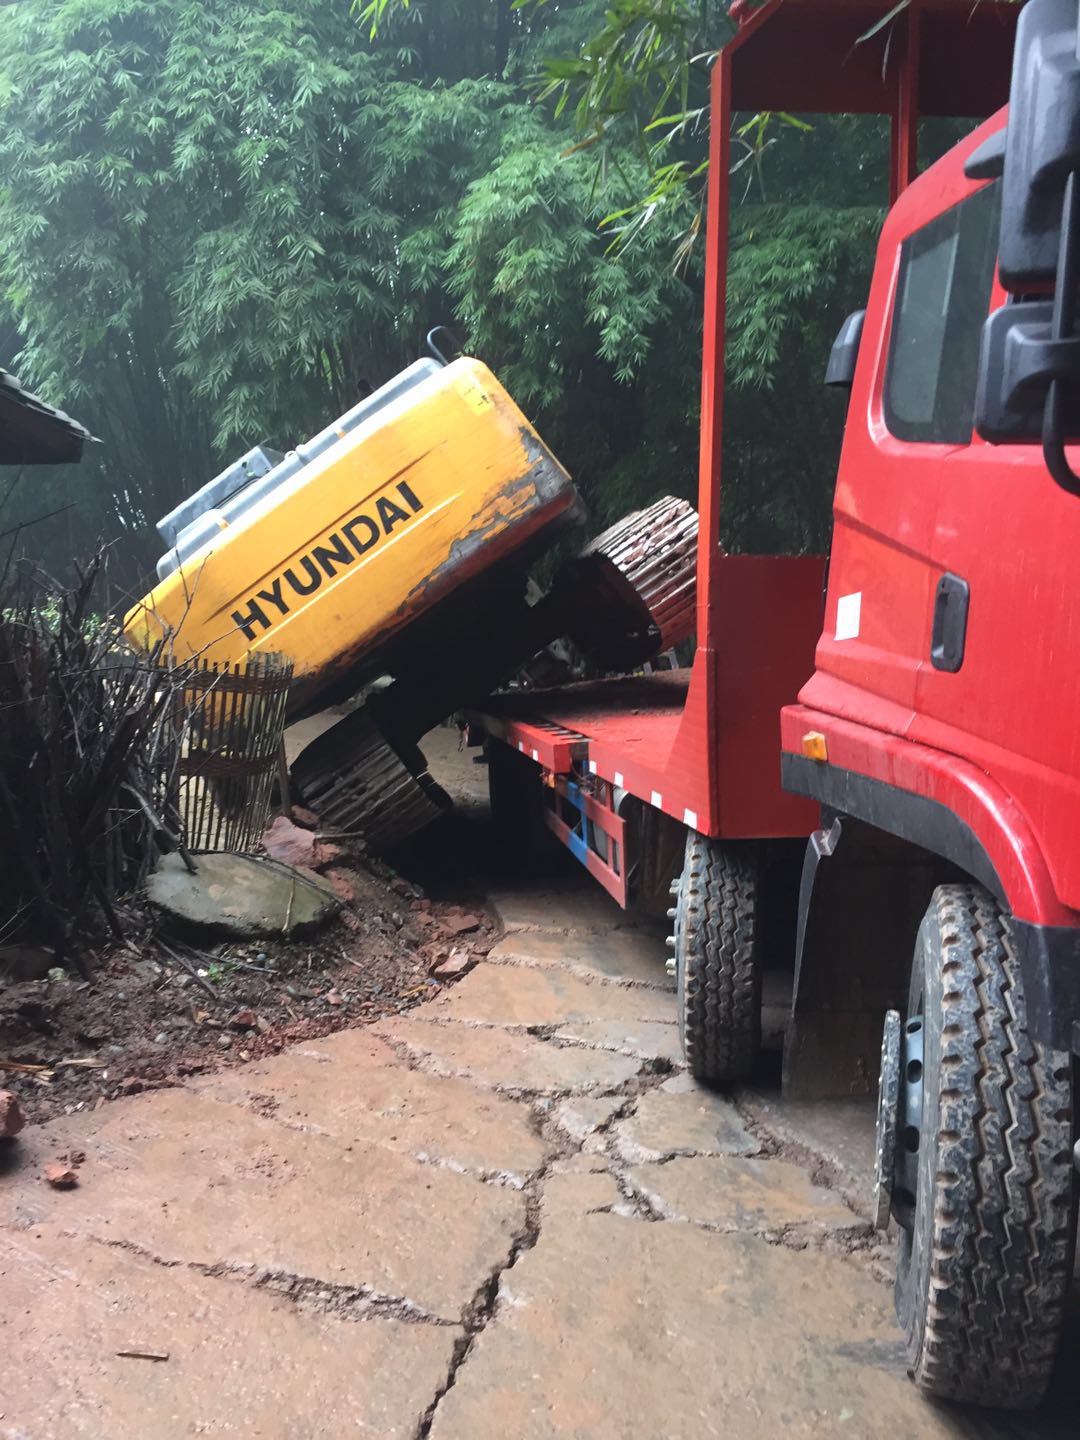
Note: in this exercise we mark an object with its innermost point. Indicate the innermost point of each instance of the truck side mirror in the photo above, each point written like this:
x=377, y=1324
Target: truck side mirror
x=1017, y=361
x=845, y=351
x=988, y=161
x=1042, y=144
x=1029, y=368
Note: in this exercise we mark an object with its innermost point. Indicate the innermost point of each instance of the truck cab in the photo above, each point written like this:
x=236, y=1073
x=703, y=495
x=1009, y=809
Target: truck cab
x=942, y=705
x=939, y=733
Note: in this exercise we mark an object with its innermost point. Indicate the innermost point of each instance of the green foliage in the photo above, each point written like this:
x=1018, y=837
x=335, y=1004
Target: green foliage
x=796, y=271
x=218, y=220
x=605, y=352
x=630, y=75
x=374, y=11
x=643, y=76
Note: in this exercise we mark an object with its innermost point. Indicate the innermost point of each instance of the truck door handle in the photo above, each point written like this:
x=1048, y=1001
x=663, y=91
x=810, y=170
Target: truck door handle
x=949, y=634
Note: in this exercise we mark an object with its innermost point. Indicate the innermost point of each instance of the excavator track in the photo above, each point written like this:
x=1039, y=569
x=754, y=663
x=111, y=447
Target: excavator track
x=356, y=781
x=632, y=592
x=655, y=550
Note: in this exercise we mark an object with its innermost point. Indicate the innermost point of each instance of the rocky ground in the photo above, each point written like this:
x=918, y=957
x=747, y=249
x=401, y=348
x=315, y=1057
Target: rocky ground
x=506, y=1213
x=175, y=1003
x=155, y=1012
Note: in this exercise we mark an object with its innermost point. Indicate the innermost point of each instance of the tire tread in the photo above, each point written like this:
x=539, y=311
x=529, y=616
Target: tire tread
x=998, y=1242
x=716, y=950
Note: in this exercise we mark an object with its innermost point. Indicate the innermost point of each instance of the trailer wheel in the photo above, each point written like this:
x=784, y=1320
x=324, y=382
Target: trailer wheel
x=716, y=960
x=982, y=1182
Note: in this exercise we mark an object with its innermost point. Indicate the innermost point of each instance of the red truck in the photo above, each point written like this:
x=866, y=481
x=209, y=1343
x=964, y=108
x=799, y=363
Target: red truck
x=929, y=769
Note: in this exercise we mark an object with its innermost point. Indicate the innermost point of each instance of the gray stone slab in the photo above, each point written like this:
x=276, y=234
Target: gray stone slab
x=686, y=1122
x=573, y=1196
x=184, y=1178
x=742, y=1194
x=241, y=1361
x=518, y=995
x=581, y=1117
x=841, y=1132
x=514, y=1062
x=610, y=1328
x=632, y=955
x=354, y=1087
x=647, y=1039
x=560, y=908
x=242, y=895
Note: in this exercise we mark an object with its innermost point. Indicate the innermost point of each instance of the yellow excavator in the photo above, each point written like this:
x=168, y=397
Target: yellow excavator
x=395, y=543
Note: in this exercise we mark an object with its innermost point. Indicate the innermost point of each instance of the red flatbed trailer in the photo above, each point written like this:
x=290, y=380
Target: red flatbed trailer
x=702, y=748
x=938, y=727
x=698, y=744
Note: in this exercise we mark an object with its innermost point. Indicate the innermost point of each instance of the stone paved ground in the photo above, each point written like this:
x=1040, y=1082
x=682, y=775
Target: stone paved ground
x=510, y=1215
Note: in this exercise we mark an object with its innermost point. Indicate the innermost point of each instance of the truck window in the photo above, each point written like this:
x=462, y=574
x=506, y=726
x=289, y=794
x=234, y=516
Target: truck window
x=942, y=299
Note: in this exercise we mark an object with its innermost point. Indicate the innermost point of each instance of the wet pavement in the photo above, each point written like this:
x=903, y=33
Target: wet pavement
x=509, y=1214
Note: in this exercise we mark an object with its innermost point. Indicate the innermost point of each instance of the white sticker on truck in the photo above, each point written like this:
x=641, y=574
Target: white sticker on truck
x=848, y=616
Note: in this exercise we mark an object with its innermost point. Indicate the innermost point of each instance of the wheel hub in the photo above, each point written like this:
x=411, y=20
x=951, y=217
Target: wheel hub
x=888, y=1119
x=899, y=1121
x=672, y=964
x=909, y=1132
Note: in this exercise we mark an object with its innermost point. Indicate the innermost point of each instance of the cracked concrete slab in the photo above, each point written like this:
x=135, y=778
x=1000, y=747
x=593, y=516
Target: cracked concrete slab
x=581, y=1162
x=648, y=1039
x=627, y=955
x=186, y=1178
x=508, y=1060
x=579, y=1118
x=740, y=1193
x=354, y=1087
x=296, y=1235
x=241, y=1360
x=841, y=1132
x=509, y=995
x=673, y=1120
x=560, y=907
x=669, y=1331
x=572, y=1196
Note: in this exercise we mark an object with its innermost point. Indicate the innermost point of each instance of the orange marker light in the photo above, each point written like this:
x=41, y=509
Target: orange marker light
x=814, y=746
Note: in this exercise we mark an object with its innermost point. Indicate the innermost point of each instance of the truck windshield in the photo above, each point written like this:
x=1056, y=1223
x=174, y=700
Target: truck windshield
x=942, y=299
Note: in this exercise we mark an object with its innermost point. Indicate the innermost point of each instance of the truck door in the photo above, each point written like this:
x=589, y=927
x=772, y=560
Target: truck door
x=998, y=684
x=912, y=409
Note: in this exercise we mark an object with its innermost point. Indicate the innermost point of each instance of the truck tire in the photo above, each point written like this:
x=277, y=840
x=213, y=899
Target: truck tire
x=985, y=1128
x=716, y=960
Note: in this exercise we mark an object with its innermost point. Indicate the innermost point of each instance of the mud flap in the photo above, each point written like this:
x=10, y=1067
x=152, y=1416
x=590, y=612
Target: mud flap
x=862, y=897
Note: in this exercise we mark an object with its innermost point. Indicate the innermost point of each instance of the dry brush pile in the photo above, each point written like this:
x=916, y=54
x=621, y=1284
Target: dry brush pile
x=89, y=753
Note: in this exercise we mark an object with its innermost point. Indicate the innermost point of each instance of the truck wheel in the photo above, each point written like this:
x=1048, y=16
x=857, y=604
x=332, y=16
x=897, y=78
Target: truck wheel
x=982, y=1179
x=716, y=961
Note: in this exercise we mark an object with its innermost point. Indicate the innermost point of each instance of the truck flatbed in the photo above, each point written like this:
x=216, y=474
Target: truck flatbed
x=623, y=728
